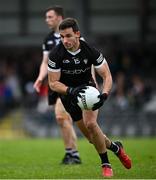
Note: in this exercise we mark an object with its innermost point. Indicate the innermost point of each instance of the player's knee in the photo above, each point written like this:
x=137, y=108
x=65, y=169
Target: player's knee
x=60, y=120
x=91, y=125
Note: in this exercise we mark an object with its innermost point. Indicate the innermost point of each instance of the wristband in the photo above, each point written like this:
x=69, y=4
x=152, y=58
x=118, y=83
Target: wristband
x=69, y=90
x=105, y=96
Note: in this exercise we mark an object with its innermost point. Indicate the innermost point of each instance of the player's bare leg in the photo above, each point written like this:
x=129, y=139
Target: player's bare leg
x=84, y=130
x=98, y=139
x=68, y=134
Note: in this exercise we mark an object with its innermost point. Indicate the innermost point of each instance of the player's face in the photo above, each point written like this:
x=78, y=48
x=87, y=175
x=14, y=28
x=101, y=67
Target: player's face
x=52, y=19
x=70, y=39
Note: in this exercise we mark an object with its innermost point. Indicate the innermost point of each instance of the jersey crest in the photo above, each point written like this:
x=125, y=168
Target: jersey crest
x=85, y=61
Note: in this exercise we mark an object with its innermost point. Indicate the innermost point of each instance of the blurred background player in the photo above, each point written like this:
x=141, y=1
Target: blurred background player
x=54, y=16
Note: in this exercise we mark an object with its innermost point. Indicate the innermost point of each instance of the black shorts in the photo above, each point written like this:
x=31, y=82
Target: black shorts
x=52, y=96
x=74, y=111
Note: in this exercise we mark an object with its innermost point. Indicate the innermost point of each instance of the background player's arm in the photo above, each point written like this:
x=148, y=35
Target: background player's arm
x=105, y=73
x=55, y=84
x=43, y=68
x=42, y=73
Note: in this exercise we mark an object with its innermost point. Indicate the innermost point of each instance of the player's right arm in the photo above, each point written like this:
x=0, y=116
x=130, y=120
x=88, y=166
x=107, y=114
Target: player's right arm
x=54, y=72
x=55, y=84
x=42, y=73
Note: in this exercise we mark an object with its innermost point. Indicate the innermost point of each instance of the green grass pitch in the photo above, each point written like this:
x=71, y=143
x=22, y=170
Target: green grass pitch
x=40, y=159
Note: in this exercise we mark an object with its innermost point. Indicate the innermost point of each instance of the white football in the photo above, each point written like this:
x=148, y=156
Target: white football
x=88, y=98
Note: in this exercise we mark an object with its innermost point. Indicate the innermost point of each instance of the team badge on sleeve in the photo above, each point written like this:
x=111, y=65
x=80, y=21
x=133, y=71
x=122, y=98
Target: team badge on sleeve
x=100, y=59
x=52, y=64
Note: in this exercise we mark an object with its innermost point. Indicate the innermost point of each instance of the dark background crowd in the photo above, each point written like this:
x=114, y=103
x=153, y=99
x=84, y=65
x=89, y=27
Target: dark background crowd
x=132, y=69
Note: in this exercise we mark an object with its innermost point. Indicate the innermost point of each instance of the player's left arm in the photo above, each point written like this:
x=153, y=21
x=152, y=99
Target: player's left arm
x=105, y=73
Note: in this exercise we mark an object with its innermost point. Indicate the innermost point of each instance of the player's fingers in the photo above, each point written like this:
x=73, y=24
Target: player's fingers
x=37, y=88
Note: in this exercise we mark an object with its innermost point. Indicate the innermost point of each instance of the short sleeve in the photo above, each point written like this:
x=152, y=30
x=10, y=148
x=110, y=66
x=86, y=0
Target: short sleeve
x=45, y=47
x=53, y=62
x=98, y=58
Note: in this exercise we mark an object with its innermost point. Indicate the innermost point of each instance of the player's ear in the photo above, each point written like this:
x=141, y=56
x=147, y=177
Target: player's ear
x=77, y=34
x=59, y=18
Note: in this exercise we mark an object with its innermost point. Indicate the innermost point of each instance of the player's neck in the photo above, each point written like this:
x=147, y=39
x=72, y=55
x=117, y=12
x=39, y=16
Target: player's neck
x=57, y=30
x=76, y=47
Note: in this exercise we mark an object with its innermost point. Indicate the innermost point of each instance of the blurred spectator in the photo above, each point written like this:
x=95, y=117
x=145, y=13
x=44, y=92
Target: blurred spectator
x=6, y=97
x=119, y=91
x=12, y=81
x=139, y=93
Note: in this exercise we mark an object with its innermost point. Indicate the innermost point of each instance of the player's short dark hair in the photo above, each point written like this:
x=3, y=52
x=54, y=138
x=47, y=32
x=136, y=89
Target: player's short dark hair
x=69, y=23
x=58, y=10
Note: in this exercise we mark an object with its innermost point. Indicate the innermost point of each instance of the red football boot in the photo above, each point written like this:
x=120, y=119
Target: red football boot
x=107, y=171
x=124, y=158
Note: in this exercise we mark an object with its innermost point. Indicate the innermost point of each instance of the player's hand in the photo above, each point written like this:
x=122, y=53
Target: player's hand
x=74, y=92
x=37, y=85
x=102, y=98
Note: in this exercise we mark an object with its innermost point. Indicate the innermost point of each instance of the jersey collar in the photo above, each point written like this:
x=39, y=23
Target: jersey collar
x=74, y=53
x=56, y=34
